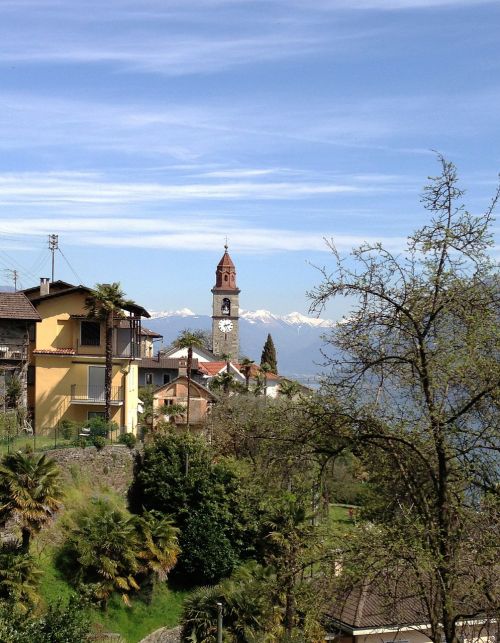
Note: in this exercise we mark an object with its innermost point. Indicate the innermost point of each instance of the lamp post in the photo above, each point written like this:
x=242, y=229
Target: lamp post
x=219, y=622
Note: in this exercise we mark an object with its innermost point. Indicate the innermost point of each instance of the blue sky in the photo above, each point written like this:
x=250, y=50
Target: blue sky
x=143, y=132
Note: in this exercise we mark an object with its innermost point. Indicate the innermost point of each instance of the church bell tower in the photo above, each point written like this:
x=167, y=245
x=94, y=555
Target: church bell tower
x=225, y=309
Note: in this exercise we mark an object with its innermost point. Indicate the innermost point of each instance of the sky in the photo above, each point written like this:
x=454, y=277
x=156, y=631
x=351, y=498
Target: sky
x=145, y=132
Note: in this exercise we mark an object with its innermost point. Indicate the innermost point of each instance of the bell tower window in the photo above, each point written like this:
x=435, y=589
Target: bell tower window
x=226, y=306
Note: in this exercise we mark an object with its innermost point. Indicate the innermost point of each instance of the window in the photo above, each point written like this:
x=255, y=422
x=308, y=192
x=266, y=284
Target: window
x=95, y=414
x=90, y=334
x=166, y=378
x=168, y=402
x=226, y=307
x=149, y=379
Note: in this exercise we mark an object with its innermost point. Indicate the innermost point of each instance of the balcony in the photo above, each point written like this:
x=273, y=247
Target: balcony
x=13, y=351
x=81, y=394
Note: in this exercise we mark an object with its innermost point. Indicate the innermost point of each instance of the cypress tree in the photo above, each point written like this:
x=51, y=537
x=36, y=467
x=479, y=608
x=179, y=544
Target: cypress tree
x=269, y=355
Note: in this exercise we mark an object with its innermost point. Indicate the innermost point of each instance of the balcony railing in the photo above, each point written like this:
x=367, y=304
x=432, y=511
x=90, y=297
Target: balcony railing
x=13, y=351
x=96, y=394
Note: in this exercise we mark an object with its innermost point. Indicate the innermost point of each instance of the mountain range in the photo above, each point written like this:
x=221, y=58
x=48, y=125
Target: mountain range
x=298, y=339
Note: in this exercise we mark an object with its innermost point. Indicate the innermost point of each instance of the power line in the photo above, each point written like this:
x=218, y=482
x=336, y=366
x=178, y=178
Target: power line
x=14, y=275
x=79, y=279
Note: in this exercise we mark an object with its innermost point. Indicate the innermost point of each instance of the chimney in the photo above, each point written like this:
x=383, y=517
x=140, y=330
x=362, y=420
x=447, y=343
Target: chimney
x=44, y=286
x=182, y=366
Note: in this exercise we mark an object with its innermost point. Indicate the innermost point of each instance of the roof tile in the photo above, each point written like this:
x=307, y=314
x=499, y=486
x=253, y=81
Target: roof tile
x=15, y=305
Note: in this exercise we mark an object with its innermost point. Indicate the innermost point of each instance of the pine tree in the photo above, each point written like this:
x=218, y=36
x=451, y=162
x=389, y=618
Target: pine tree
x=269, y=355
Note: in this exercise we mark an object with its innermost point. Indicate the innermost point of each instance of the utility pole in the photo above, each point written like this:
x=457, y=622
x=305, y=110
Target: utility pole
x=53, y=246
x=14, y=275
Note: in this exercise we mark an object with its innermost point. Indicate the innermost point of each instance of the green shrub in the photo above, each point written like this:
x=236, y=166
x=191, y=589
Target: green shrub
x=128, y=439
x=68, y=429
x=99, y=442
x=80, y=442
x=98, y=427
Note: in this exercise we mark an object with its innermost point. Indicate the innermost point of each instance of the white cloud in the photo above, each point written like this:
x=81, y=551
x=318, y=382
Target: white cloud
x=179, y=233
x=42, y=190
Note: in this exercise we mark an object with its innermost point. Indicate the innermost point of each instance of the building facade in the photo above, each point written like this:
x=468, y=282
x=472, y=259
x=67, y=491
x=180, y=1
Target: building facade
x=68, y=360
x=18, y=318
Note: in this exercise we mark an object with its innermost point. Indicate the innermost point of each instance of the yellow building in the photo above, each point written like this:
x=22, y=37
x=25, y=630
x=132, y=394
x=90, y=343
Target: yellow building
x=68, y=360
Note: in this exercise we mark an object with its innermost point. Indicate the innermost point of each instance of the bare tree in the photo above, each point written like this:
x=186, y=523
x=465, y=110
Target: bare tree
x=416, y=375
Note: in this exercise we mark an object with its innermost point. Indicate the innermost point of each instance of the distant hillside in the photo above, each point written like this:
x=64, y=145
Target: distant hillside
x=297, y=338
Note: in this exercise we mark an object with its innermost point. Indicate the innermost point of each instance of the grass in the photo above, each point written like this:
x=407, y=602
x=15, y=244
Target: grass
x=142, y=618
x=38, y=443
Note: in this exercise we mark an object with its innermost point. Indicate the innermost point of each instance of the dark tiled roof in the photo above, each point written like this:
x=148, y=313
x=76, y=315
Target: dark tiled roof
x=35, y=297
x=376, y=606
x=58, y=286
x=124, y=323
x=150, y=333
x=165, y=362
x=15, y=305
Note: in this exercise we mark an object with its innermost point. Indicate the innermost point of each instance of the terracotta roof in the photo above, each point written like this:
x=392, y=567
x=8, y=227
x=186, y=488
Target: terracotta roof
x=165, y=362
x=226, y=261
x=55, y=351
x=255, y=370
x=15, y=305
x=212, y=368
x=194, y=383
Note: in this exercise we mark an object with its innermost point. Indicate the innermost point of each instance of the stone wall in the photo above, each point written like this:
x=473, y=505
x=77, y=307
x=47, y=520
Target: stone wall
x=164, y=635
x=113, y=465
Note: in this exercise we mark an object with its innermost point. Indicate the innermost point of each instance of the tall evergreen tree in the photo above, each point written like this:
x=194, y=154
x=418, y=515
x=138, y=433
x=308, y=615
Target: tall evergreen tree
x=269, y=354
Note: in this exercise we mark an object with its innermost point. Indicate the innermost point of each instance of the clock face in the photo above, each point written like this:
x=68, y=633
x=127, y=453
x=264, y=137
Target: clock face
x=225, y=325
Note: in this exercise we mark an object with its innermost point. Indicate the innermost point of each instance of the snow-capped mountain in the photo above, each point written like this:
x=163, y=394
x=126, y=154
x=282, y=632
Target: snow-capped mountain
x=183, y=312
x=297, y=337
x=255, y=316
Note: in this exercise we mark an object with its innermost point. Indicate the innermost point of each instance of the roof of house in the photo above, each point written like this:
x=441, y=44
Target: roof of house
x=377, y=606
x=61, y=288
x=58, y=285
x=165, y=362
x=214, y=368
x=124, y=323
x=150, y=333
x=204, y=352
x=192, y=383
x=255, y=371
x=15, y=305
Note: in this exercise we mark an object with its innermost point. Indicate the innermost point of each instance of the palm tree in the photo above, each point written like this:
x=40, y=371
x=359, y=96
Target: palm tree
x=289, y=389
x=189, y=339
x=106, y=303
x=30, y=492
x=265, y=368
x=224, y=381
x=102, y=548
x=19, y=577
x=246, y=368
x=158, y=544
x=290, y=534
